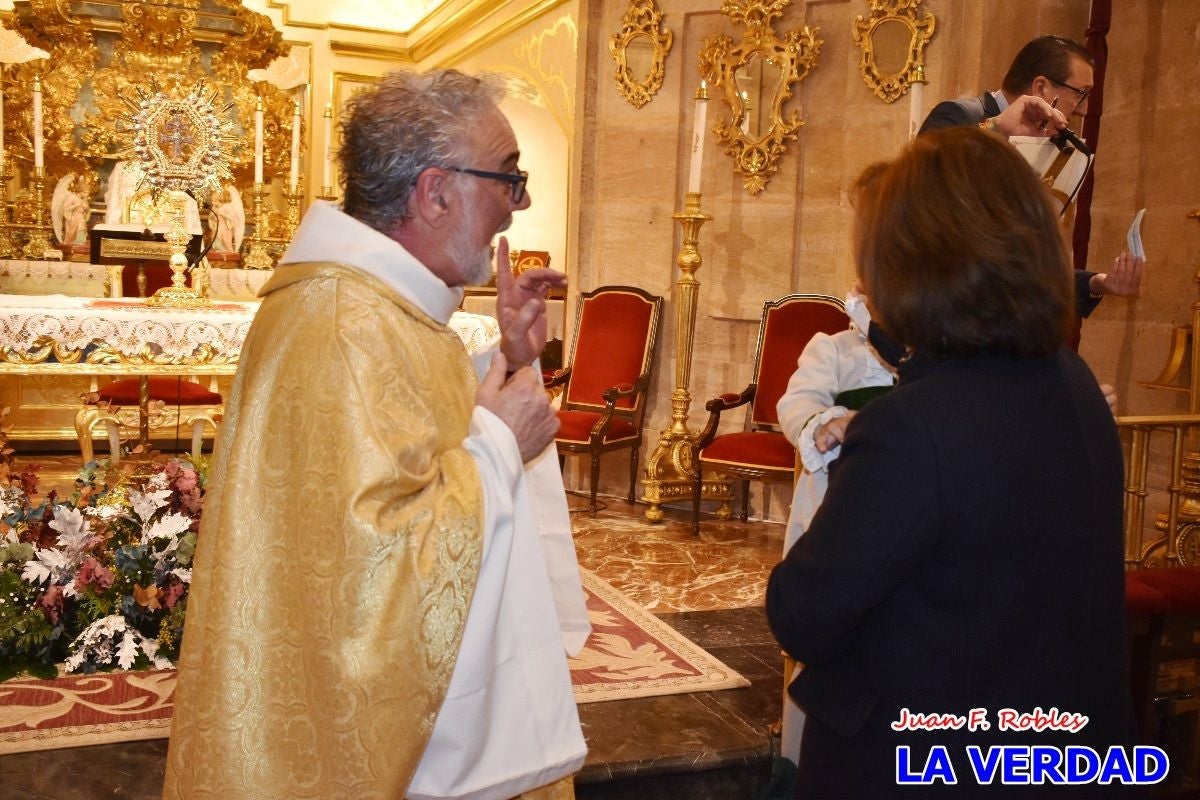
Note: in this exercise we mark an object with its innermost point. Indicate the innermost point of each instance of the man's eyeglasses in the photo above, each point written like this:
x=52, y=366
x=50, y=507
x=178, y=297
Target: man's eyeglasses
x=1081, y=94
x=515, y=180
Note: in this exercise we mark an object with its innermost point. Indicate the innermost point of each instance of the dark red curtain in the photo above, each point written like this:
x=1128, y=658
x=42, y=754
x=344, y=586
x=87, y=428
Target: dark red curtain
x=1097, y=44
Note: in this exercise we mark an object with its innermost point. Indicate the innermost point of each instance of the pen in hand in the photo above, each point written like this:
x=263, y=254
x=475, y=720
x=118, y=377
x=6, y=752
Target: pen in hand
x=1053, y=104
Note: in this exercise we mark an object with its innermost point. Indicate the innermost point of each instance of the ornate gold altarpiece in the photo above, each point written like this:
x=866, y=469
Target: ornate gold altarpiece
x=100, y=51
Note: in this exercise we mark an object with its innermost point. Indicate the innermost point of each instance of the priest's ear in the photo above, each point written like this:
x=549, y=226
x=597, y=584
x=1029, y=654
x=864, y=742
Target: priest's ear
x=428, y=199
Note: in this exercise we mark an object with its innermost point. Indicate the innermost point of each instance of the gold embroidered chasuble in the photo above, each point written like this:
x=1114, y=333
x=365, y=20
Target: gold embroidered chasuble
x=338, y=553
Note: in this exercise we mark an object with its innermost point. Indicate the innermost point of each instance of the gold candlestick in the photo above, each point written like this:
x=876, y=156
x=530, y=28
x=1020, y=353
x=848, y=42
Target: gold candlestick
x=8, y=248
x=257, y=256
x=669, y=472
x=293, y=212
x=327, y=193
x=178, y=295
x=39, y=235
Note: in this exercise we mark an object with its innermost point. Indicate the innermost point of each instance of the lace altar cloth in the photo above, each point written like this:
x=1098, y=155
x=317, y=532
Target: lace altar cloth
x=33, y=329
x=46, y=277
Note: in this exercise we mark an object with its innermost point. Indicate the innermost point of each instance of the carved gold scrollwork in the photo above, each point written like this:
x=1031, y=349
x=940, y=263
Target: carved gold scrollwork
x=893, y=41
x=640, y=50
x=755, y=77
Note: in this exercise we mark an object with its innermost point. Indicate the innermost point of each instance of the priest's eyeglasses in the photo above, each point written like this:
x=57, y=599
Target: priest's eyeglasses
x=515, y=180
x=1081, y=95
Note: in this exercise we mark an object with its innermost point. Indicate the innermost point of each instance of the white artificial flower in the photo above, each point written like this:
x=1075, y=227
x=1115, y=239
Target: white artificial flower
x=109, y=639
x=169, y=527
x=127, y=653
x=105, y=512
x=48, y=566
x=144, y=505
x=74, y=532
x=184, y=575
x=10, y=537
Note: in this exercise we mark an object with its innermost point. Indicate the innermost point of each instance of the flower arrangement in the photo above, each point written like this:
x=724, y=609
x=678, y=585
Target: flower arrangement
x=98, y=580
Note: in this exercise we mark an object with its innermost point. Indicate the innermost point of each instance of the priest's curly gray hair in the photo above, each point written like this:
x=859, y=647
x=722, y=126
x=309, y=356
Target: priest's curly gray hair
x=406, y=123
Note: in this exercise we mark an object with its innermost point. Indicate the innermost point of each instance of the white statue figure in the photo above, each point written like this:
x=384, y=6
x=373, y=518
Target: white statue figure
x=227, y=220
x=69, y=208
x=128, y=200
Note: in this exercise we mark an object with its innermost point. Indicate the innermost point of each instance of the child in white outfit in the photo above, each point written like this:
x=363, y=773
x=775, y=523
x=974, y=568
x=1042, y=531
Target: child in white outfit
x=834, y=378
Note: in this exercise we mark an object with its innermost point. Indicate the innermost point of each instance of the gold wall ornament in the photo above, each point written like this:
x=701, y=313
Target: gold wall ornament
x=640, y=50
x=893, y=41
x=755, y=78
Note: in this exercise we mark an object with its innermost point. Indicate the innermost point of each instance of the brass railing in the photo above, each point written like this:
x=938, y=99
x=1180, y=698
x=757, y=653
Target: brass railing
x=1159, y=462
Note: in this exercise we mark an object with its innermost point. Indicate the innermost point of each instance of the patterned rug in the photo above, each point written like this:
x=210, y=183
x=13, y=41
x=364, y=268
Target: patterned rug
x=629, y=654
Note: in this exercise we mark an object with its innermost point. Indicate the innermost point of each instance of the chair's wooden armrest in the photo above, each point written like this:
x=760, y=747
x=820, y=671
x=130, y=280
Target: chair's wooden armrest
x=614, y=393
x=714, y=407
x=729, y=400
x=560, y=378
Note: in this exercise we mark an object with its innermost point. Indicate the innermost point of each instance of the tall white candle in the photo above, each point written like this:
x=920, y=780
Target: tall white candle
x=294, y=178
x=258, y=142
x=38, y=163
x=916, y=105
x=698, y=137
x=327, y=167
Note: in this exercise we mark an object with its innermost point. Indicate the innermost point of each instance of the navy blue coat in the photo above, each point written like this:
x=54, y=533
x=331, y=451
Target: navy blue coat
x=968, y=554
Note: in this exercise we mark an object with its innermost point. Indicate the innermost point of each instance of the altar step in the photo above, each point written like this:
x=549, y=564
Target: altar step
x=702, y=746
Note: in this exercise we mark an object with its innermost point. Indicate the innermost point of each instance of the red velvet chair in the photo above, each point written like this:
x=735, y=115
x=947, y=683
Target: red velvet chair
x=605, y=383
x=760, y=452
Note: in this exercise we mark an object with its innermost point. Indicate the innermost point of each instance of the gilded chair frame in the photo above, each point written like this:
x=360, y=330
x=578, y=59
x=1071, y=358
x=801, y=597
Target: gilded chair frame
x=748, y=396
x=608, y=409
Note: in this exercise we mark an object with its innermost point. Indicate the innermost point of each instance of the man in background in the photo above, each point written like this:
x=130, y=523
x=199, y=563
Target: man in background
x=1051, y=77
x=373, y=612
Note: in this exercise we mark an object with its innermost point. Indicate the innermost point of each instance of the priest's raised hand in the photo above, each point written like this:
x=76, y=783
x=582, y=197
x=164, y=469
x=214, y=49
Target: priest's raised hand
x=521, y=307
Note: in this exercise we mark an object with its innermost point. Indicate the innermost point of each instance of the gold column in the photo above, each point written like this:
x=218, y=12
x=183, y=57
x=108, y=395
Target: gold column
x=669, y=473
x=257, y=256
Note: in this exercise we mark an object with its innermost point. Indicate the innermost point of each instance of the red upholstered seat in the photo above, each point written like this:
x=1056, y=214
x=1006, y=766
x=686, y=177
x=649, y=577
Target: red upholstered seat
x=1141, y=598
x=172, y=391
x=761, y=452
x=768, y=449
x=1180, y=586
x=1163, y=609
x=576, y=426
x=604, y=386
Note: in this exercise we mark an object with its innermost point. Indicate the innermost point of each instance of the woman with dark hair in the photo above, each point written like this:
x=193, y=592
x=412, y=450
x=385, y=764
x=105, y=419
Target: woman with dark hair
x=967, y=559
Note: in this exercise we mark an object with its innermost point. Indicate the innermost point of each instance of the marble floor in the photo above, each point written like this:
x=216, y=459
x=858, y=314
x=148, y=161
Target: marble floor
x=703, y=745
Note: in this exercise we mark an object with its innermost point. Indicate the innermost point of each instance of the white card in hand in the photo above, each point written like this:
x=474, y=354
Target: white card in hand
x=1134, y=238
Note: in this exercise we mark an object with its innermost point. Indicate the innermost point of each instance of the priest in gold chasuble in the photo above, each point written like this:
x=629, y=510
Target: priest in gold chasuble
x=384, y=589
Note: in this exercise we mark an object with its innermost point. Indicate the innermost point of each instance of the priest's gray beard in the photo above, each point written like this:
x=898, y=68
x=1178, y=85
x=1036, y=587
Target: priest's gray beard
x=476, y=264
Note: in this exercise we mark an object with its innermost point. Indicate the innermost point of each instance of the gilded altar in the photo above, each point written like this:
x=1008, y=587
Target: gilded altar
x=70, y=109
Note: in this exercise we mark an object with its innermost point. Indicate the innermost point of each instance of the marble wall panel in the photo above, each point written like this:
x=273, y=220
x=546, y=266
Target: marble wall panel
x=1147, y=159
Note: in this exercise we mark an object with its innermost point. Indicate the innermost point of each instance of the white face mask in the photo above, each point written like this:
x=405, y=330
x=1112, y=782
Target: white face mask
x=856, y=309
